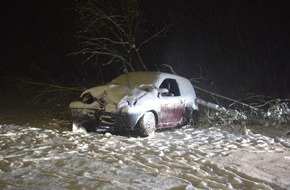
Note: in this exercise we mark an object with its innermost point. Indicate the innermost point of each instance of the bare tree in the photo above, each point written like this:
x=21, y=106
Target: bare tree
x=111, y=32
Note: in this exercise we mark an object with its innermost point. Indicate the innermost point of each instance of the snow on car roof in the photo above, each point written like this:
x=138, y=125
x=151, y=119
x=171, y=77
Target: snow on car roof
x=137, y=78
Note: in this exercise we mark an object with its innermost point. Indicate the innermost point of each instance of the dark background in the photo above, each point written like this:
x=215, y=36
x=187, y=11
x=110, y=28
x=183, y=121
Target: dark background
x=239, y=47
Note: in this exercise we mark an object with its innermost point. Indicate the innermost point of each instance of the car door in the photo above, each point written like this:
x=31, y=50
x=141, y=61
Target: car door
x=172, y=105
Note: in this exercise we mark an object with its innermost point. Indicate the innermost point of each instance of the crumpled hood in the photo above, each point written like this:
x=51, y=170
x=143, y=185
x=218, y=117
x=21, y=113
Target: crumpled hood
x=113, y=93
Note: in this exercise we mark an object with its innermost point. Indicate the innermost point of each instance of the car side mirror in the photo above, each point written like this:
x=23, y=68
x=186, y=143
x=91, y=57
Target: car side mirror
x=162, y=91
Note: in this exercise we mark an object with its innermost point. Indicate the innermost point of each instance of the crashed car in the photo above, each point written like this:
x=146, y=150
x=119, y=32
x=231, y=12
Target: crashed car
x=142, y=101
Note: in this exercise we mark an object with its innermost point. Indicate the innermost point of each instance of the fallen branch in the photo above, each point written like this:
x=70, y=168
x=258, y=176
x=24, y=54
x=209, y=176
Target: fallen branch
x=27, y=82
x=210, y=105
x=51, y=98
x=226, y=98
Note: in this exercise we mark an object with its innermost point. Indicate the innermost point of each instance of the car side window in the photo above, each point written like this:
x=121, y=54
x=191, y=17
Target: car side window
x=172, y=87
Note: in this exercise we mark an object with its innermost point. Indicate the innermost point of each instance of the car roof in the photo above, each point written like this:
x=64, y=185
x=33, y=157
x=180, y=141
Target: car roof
x=144, y=77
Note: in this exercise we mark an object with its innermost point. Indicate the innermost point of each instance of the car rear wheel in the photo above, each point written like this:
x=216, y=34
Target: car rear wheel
x=195, y=117
x=147, y=124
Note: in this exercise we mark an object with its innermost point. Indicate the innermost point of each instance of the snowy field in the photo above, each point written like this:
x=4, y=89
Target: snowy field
x=186, y=158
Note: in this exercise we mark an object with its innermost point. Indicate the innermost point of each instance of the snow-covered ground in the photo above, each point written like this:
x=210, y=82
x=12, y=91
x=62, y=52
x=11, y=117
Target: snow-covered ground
x=186, y=158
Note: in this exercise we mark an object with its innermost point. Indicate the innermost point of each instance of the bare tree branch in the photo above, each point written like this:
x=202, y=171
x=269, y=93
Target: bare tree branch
x=160, y=33
x=110, y=32
x=47, y=85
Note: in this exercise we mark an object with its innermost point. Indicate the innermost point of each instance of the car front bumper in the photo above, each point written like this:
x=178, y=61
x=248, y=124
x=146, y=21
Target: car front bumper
x=101, y=118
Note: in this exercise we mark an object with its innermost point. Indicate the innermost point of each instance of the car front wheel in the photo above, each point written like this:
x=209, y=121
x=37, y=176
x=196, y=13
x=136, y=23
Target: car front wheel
x=147, y=124
x=77, y=127
x=84, y=126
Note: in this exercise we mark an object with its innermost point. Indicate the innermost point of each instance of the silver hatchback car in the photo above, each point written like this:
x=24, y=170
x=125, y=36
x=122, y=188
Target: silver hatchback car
x=143, y=101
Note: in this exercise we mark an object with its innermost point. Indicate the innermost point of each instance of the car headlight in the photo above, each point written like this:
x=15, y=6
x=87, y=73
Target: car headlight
x=131, y=100
x=87, y=98
x=122, y=104
x=127, y=101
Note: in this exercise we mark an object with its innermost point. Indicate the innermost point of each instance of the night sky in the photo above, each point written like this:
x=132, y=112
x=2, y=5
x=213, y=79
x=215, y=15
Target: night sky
x=238, y=46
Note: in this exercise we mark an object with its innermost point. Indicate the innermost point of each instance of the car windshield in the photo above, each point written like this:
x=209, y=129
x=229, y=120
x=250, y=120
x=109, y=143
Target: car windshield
x=136, y=79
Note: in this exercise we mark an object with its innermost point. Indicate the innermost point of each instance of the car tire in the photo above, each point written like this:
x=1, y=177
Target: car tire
x=77, y=127
x=85, y=126
x=195, y=117
x=147, y=124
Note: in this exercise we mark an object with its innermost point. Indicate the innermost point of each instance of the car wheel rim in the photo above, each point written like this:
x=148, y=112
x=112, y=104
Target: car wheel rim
x=149, y=122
